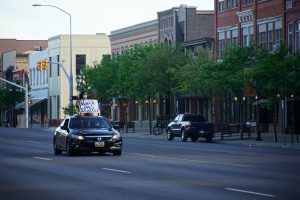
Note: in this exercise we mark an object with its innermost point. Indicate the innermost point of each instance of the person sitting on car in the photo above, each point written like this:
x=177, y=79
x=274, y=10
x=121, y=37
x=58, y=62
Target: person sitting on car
x=83, y=96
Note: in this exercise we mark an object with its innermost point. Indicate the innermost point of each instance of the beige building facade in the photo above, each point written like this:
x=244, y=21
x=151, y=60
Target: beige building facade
x=126, y=38
x=86, y=50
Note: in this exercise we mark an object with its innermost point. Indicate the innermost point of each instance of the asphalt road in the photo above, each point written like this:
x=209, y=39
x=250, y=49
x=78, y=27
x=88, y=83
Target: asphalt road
x=147, y=169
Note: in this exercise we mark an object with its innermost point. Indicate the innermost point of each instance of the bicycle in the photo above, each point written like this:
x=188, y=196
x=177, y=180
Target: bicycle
x=157, y=129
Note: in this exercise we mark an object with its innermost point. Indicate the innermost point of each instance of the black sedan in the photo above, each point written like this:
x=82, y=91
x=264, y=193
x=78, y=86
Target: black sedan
x=86, y=134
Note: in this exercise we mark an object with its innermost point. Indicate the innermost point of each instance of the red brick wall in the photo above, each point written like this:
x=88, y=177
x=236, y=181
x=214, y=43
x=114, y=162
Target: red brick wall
x=269, y=8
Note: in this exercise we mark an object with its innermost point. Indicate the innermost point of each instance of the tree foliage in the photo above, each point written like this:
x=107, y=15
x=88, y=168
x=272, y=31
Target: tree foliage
x=147, y=70
x=139, y=72
x=11, y=95
x=277, y=73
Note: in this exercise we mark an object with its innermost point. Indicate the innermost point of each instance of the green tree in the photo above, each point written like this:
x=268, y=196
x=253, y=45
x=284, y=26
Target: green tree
x=138, y=72
x=101, y=78
x=276, y=73
x=188, y=76
x=11, y=95
x=155, y=72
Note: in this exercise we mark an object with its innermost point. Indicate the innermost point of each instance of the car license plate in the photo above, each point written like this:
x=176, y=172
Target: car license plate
x=201, y=132
x=99, y=144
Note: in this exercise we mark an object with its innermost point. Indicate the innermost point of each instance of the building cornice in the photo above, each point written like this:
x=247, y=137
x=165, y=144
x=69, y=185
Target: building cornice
x=245, y=16
x=134, y=27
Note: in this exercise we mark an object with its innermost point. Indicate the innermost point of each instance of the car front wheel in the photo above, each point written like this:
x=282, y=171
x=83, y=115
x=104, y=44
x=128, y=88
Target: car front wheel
x=170, y=135
x=183, y=136
x=70, y=151
x=56, y=150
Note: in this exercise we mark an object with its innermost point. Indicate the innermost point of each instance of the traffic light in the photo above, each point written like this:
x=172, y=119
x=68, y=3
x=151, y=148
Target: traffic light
x=39, y=65
x=44, y=65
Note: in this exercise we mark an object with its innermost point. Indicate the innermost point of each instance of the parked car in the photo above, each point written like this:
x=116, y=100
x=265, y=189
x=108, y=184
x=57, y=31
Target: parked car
x=86, y=134
x=190, y=126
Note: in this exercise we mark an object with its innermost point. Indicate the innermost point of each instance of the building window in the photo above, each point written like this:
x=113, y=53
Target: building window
x=58, y=106
x=262, y=43
x=270, y=36
x=58, y=67
x=251, y=37
x=231, y=4
x=228, y=39
x=221, y=5
x=235, y=3
x=290, y=37
x=246, y=2
x=50, y=67
x=278, y=33
x=289, y=4
x=245, y=36
x=235, y=41
x=50, y=107
x=297, y=31
x=81, y=62
x=30, y=75
x=38, y=78
x=221, y=45
x=46, y=75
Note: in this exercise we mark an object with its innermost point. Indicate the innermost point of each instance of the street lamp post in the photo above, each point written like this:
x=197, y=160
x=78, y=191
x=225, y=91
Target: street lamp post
x=71, y=71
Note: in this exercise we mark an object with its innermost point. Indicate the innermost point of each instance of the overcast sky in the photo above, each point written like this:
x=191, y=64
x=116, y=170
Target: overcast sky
x=19, y=20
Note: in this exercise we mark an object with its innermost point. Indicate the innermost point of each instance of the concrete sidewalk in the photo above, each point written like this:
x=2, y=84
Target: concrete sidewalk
x=283, y=141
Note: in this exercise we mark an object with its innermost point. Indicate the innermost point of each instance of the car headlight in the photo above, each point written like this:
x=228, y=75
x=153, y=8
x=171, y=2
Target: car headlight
x=78, y=137
x=116, y=136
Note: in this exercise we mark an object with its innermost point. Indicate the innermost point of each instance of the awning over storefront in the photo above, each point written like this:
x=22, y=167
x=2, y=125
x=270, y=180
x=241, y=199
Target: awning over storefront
x=33, y=102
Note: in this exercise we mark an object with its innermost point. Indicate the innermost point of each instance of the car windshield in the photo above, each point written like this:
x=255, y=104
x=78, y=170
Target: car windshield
x=85, y=123
x=194, y=118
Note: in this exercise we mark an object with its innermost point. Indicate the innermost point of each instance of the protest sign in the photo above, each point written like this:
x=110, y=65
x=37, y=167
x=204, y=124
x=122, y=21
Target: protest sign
x=88, y=106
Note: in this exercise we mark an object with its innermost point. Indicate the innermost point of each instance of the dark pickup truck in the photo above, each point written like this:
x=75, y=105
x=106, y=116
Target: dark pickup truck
x=190, y=126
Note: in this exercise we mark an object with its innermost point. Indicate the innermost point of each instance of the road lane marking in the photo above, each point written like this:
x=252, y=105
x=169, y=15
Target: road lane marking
x=250, y=192
x=41, y=158
x=30, y=141
x=116, y=170
x=191, y=160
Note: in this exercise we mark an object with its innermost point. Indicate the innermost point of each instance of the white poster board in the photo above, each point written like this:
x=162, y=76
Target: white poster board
x=88, y=106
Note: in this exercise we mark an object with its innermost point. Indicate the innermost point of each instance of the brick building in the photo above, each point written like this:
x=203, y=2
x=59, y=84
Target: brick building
x=292, y=25
x=188, y=26
x=264, y=24
x=246, y=22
